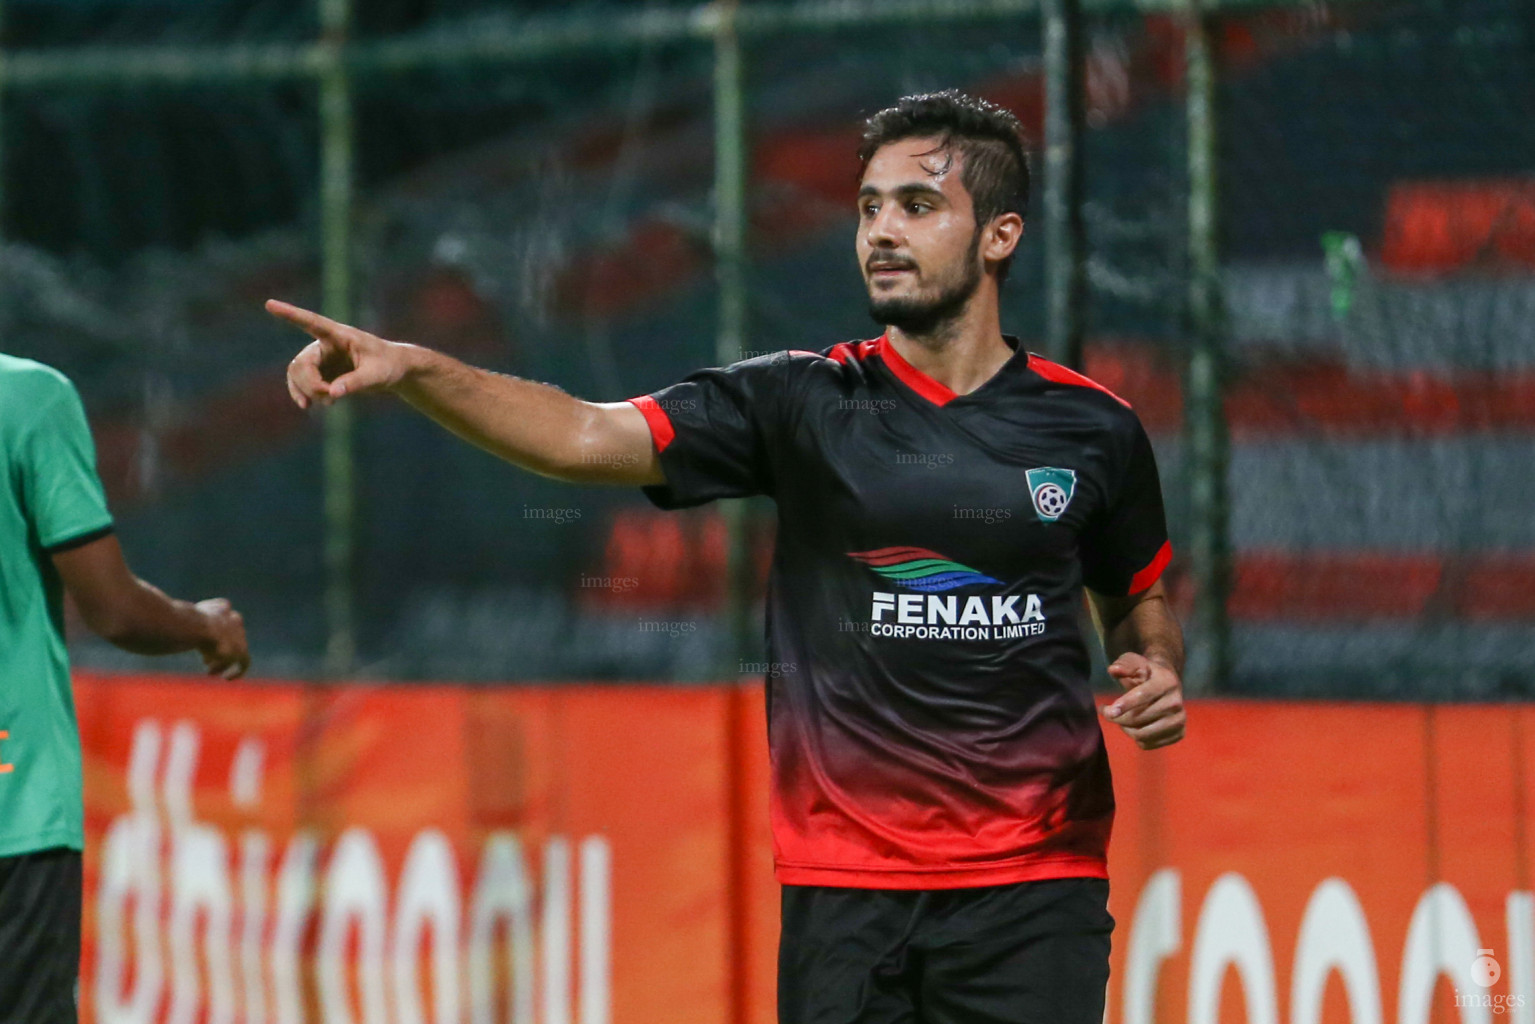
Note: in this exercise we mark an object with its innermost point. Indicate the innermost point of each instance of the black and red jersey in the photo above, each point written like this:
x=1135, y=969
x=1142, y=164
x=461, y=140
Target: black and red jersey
x=930, y=718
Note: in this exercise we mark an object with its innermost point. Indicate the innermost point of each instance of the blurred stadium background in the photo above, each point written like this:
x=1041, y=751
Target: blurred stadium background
x=1308, y=261
x=553, y=215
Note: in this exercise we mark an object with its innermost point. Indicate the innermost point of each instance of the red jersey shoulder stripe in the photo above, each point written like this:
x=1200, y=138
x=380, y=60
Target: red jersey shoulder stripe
x=860, y=350
x=1149, y=575
x=1063, y=375
x=661, y=430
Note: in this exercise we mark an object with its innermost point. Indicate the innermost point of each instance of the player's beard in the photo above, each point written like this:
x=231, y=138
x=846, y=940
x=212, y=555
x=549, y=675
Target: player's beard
x=921, y=316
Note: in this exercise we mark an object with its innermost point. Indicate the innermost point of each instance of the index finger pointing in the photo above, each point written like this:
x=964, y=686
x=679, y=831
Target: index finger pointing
x=317, y=325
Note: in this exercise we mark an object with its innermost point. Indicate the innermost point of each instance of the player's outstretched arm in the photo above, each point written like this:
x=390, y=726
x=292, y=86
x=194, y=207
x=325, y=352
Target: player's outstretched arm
x=138, y=617
x=1144, y=644
x=535, y=426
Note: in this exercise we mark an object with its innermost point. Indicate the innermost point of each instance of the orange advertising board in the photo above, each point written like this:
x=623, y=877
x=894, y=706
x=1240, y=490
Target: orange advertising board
x=281, y=852
x=273, y=852
x=1315, y=862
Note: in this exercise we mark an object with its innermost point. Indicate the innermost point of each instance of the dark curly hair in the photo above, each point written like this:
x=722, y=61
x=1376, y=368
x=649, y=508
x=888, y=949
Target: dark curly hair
x=990, y=139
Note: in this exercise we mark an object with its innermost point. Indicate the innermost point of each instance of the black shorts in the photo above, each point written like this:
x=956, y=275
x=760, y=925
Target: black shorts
x=1029, y=953
x=39, y=937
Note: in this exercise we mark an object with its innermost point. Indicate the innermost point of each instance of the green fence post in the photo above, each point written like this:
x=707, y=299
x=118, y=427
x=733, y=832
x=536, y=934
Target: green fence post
x=1065, y=243
x=336, y=197
x=730, y=216
x=1209, y=551
x=730, y=223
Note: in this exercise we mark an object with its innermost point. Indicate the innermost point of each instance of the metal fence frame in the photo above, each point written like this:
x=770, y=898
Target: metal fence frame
x=334, y=60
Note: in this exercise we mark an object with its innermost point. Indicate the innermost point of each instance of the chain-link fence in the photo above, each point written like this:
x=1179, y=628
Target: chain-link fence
x=539, y=190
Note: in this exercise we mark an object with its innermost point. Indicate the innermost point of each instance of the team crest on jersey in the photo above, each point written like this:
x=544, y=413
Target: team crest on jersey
x=919, y=569
x=1051, y=489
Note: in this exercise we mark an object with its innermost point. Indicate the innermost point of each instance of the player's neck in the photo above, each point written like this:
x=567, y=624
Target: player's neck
x=962, y=354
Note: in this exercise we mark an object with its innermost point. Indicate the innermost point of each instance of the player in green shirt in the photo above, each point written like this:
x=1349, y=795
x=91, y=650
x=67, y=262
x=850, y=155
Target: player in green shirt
x=56, y=536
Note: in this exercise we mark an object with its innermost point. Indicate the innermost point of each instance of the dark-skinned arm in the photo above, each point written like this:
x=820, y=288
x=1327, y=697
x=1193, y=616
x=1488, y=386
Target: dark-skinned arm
x=138, y=617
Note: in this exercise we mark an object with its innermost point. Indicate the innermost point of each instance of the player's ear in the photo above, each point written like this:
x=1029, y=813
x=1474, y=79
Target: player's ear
x=1002, y=237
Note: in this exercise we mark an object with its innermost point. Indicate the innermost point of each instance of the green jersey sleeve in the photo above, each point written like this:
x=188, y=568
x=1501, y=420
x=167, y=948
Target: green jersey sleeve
x=59, y=484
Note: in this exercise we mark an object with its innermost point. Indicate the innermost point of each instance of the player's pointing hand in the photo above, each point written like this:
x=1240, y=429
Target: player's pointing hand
x=1151, y=709
x=342, y=360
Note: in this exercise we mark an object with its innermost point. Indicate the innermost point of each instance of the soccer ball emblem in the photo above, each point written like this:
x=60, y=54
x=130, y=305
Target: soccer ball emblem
x=1051, y=500
x=1051, y=487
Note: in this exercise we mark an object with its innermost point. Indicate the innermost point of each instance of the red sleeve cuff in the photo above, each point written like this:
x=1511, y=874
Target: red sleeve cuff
x=1153, y=572
x=661, y=430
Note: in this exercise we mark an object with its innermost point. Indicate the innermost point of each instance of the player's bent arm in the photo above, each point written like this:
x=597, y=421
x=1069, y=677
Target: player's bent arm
x=138, y=617
x=1141, y=623
x=535, y=426
x=1144, y=645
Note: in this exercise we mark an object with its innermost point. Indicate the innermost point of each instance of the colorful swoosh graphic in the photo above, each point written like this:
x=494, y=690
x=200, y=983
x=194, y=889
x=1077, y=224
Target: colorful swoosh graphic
x=920, y=569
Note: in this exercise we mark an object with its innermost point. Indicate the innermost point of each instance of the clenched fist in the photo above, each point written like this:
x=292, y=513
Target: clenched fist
x=225, y=650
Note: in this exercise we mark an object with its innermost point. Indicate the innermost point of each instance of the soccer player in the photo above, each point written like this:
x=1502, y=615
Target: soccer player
x=55, y=536
x=941, y=800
